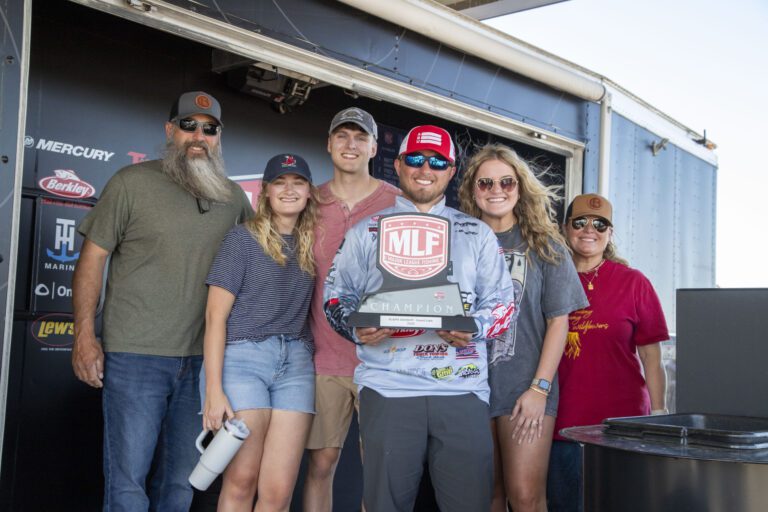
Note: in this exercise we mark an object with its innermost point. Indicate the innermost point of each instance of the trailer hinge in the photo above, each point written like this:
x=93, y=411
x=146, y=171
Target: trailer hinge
x=140, y=6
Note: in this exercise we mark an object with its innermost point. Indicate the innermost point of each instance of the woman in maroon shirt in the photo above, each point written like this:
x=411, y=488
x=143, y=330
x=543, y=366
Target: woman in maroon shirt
x=611, y=365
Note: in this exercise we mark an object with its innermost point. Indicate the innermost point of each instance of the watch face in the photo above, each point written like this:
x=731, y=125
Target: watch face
x=543, y=384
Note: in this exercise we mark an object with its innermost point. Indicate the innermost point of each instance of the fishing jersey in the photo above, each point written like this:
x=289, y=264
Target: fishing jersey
x=417, y=362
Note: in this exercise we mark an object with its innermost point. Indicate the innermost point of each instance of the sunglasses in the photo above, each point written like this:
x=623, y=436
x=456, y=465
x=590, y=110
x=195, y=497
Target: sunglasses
x=599, y=224
x=507, y=184
x=190, y=125
x=436, y=163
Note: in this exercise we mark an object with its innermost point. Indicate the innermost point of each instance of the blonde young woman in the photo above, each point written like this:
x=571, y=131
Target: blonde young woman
x=500, y=189
x=258, y=347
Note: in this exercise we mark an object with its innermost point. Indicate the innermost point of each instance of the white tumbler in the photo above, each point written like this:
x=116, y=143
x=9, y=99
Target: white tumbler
x=216, y=456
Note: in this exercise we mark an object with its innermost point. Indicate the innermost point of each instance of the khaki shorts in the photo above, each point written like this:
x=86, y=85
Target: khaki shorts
x=335, y=397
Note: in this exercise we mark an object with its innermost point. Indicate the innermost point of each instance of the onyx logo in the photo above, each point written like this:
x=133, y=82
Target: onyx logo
x=53, y=291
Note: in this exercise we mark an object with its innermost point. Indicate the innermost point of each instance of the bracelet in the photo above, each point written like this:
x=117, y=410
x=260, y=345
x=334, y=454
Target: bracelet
x=538, y=390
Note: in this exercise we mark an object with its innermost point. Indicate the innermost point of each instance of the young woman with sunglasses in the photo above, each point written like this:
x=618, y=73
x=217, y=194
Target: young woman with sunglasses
x=258, y=347
x=500, y=188
x=612, y=362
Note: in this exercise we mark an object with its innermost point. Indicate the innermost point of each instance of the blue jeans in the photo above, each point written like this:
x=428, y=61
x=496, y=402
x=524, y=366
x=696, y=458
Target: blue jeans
x=150, y=406
x=565, y=489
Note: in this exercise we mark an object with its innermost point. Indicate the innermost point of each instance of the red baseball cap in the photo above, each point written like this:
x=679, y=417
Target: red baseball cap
x=429, y=137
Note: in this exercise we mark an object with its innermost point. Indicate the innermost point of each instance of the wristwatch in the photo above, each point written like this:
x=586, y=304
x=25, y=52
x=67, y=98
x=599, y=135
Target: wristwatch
x=542, y=384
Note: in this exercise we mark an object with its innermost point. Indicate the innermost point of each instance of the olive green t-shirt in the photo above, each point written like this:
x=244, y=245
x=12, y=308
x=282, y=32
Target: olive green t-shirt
x=162, y=247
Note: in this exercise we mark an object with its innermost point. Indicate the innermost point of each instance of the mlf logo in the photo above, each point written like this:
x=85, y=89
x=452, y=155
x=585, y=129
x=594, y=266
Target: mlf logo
x=413, y=247
x=65, y=183
x=64, y=242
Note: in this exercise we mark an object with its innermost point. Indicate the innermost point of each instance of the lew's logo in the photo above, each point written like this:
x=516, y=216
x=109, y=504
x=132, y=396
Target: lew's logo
x=413, y=247
x=55, y=330
x=65, y=183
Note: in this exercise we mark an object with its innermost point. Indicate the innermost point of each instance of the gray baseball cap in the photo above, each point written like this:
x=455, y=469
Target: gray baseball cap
x=357, y=116
x=196, y=102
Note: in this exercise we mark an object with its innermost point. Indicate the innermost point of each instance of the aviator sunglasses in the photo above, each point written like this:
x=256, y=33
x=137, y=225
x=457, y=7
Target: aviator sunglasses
x=506, y=183
x=436, y=163
x=599, y=224
x=190, y=125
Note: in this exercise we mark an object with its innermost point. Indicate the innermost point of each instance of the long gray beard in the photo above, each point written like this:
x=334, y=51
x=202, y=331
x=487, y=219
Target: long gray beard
x=203, y=177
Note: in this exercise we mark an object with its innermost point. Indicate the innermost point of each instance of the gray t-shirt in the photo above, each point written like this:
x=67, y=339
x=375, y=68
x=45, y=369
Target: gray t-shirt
x=162, y=247
x=542, y=291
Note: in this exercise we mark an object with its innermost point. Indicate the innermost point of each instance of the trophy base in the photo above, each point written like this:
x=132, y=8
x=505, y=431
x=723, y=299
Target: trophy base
x=395, y=321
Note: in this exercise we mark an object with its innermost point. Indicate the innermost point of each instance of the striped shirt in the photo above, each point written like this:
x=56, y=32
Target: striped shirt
x=270, y=299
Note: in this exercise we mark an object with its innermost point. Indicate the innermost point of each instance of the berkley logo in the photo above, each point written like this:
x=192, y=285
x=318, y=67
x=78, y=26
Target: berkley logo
x=413, y=247
x=65, y=183
x=55, y=330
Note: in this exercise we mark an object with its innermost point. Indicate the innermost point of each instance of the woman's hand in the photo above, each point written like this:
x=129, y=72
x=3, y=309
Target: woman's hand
x=529, y=415
x=216, y=410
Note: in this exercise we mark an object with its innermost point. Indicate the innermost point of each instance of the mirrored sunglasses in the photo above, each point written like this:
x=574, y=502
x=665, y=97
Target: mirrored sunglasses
x=189, y=125
x=599, y=224
x=506, y=183
x=436, y=163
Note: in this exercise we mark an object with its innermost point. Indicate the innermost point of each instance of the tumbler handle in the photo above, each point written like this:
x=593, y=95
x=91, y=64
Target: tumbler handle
x=199, y=441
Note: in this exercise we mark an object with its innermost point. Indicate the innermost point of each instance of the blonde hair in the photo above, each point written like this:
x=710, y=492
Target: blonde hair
x=534, y=211
x=263, y=228
x=611, y=253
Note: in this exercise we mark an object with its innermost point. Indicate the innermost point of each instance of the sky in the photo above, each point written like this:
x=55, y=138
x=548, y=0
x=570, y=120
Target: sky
x=704, y=63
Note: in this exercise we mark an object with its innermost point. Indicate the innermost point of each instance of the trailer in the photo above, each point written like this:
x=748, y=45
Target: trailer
x=86, y=86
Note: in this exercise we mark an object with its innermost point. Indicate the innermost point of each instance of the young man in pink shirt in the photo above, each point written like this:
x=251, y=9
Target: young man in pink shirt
x=350, y=196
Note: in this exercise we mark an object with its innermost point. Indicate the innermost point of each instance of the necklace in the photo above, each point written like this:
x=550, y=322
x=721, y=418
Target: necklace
x=594, y=271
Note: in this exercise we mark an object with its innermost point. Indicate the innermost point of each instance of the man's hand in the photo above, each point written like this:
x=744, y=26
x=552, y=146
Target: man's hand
x=456, y=338
x=88, y=360
x=372, y=335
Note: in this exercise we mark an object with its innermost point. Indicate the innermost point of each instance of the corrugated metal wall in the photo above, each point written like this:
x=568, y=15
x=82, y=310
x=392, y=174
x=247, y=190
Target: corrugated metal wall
x=664, y=211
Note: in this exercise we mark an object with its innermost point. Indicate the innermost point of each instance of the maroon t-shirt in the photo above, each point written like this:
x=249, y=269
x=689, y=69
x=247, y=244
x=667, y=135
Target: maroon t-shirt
x=600, y=372
x=333, y=354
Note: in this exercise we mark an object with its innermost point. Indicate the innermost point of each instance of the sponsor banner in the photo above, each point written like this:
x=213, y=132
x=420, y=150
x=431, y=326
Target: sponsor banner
x=388, y=147
x=55, y=332
x=251, y=184
x=68, y=148
x=57, y=248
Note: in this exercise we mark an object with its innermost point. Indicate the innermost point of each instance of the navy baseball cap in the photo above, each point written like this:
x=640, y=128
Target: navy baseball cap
x=286, y=163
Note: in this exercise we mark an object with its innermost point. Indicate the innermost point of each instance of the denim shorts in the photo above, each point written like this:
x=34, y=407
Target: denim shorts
x=274, y=373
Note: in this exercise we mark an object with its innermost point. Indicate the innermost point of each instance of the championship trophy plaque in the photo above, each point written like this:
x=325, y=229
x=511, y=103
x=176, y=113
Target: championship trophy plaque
x=414, y=259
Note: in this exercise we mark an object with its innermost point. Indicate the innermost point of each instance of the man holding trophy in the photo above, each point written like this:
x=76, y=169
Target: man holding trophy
x=420, y=287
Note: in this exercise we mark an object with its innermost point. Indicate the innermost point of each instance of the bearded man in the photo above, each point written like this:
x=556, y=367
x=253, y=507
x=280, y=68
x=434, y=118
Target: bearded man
x=161, y=221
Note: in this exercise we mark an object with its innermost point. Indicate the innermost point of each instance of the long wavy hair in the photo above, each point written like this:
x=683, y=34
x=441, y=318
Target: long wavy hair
x=534, y=210
x=263, y=227
x=611, y=253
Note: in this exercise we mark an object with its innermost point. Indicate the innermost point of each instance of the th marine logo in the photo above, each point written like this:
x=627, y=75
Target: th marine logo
x=413, y=247
x=64, y=243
